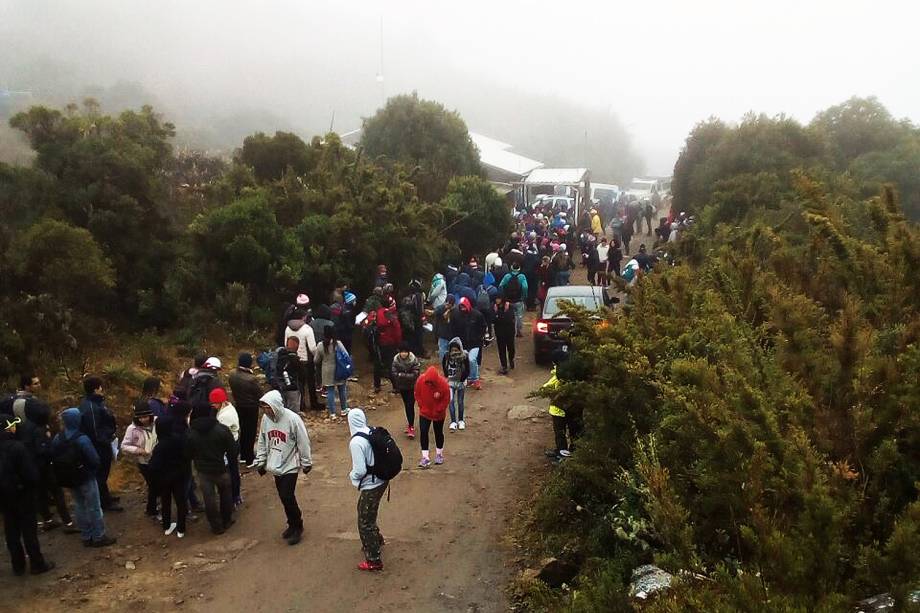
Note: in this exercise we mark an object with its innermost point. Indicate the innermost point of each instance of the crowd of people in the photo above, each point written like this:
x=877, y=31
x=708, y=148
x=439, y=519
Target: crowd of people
x=189, y=445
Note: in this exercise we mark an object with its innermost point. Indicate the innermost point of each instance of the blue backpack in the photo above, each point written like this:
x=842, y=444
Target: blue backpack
x=344, y=367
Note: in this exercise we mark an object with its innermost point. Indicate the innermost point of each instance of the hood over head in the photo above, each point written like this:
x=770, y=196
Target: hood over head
x=71, y=420
x=455, y=342
x=296, y=324
x=463, y=280
x=357, y=422
x=203, y=425
x=465, y=305
x=274, y=400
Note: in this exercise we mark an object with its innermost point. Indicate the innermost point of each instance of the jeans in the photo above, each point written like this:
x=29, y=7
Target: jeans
x=563, y=277
x=383, y=367
x=408, y=398
x=249, y=427
x=506, y=349
x=443, y=344
x=175, y=490
x=151, y=508
x=190, y=487
x=474, y=363
x=456, y=402
x=518, y=317
x=102, y=473
x=88, y=509
x=423, y=425
x=20, y=528
x=285, y=485
x=218, y=500
x=48, y=485
x=330, y=397
x=368, y=505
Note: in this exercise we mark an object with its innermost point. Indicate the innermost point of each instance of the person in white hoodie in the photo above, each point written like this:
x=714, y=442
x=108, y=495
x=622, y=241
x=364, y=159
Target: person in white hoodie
x=371, y=489
x=283, y=449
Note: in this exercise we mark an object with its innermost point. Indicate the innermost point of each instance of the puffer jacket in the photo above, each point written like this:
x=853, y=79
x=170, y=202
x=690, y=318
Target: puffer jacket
x=405, y=371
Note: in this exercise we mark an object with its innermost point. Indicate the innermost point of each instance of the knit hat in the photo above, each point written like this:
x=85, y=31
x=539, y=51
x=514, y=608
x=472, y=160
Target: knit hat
x=245, y=360
x=302, y=300
x=142, y=408
x=350, y=298
x=217, y=396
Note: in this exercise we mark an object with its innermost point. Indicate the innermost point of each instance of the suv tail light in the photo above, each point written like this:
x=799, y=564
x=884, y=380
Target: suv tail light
x=541, y=327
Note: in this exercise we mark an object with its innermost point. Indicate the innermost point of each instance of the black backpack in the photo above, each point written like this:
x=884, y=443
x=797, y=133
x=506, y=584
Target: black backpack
x=200, y=390
x=387, y=457
x=513, y=288
x=68, y=462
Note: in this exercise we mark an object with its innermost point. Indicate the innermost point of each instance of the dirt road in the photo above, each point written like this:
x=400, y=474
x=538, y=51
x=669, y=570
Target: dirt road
x=445, y=528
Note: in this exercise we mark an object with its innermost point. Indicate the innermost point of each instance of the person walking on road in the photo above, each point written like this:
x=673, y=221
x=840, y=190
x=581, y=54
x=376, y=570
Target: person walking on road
x=284, y=450
x=514, y=288
x=19, y=480
x=504, y=316
x=211, y=448
x=433, y=395
x=247, y=390
x=456, y=367
x=371, y=489
x=405, y=373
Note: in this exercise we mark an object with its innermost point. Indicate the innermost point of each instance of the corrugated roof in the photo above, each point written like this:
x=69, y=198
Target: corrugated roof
x=556, y=176
x=496, y=154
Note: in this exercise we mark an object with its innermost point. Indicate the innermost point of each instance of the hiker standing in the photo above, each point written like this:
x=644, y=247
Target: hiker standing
x=326, y=358
x=299, y=339
x=283, y=450
x=246, y=393
x=150, y=394
x=76, y=463
x=456, y=367
x=171, y=473
x=443, y=329
x=97, y=422
x=138, y=442
x=405, y=372
x=227, y=415
x=389, y=336
x=210, y=446
x=18, y=483
x=433, y=395
x=371, y=489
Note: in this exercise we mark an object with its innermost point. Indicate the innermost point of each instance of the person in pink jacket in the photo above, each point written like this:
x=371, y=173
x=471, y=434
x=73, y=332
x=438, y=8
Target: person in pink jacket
x=138, y=443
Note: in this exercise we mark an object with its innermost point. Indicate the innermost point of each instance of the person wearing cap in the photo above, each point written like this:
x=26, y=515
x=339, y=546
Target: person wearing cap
x=203, y=382
x=211, y=448
x=185, y=378
x=284, y=450
x=98, y=423
x=247, y=390
x=597, y=228
x=227, y=415
x=470, y=327
x=138, y=443
x=301, y=303
x=18, y=485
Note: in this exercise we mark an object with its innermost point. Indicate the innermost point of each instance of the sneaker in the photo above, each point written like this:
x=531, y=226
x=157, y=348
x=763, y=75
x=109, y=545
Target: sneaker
x=476, y=385
x=439, y=459
x=410, y=432
x=343, y=412
x=170, y=530
x=287, y=533
x=462, y=425
x=334, y=417
x=503, y=371
x=453, y=426
x=565, y=453
x=105, y=541
x=181, y=535
x=43, y=569
x=242, y=461
x=370, y=566
x=296, y=536
x=71, y=528
x=51, y=524
x=424, y=463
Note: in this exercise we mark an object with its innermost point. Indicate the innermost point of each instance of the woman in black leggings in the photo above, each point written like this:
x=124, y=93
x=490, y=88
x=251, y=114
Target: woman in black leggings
x=433, y=394
x=405, y=369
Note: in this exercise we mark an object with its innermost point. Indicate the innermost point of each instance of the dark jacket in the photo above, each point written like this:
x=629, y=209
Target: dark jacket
x=96, y=420
x=343, y=318
x=463, y=288
x=208, y=443
x=18, y=473
x=405, y=372
x=73, y=420
x=503, y=318
x=34, y=435
x=246, y=388
x=168, y=463
x=442, y=326
x=468, y=327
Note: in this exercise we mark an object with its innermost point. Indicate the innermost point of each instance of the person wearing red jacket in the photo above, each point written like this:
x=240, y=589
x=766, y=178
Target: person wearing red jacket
x=432, y=393
x=389, y=337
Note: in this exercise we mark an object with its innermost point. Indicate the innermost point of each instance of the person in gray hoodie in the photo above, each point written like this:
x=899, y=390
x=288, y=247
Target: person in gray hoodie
x=371, y=489
x=283, y=449
x=456, y=366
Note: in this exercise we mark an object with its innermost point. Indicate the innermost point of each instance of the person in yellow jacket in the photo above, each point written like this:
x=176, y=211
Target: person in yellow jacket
x=597, y=228
x=562, y=421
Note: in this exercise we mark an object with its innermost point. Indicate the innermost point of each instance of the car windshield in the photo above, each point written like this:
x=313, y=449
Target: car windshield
x=553, y=304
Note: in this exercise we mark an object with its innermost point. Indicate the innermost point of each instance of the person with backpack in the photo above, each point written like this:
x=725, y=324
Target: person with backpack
x=284, y=450
x=374, y=457
x=343, y=318
x=246, y=390
x=514, y=288
x=150, y=394
x=327, y=358
x=470, y=327
x=227, y=415
x=138, y=443
x=443, y=329
x=564, y=419
x=405, y=372
x=76, y=463
x=184, y=386
x=98, y=423
x=437, y=295
x=286, y=378
x=206, y=380
x=432, y=392
x=299, y=339
x=301, y=303
x=503, y=314
x=456, y=367
x=211, y=448
x=171, y=472
x=18, y=487
x=15, y=405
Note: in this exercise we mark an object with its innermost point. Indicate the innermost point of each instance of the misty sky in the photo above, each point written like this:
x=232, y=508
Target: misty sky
x=658, y=66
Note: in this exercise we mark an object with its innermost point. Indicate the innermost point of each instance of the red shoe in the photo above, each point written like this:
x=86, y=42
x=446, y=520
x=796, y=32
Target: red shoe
x=410, y=432
x=370, y=566
x=477, y=385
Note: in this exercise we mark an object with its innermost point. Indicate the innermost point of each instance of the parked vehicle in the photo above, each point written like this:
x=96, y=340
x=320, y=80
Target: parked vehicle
x=550, y=331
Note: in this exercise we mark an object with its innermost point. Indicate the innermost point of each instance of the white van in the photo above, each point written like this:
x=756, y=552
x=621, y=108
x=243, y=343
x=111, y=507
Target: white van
x=604, y=193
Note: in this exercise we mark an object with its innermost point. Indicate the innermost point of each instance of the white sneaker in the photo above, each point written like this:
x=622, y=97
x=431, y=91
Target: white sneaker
x=180, y=534
x=171, y=529
x=565, y=453
x=462, y=425
x=453, y=425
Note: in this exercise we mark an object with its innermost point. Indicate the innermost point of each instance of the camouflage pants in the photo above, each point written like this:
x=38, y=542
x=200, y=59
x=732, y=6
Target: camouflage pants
x=368, y=503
